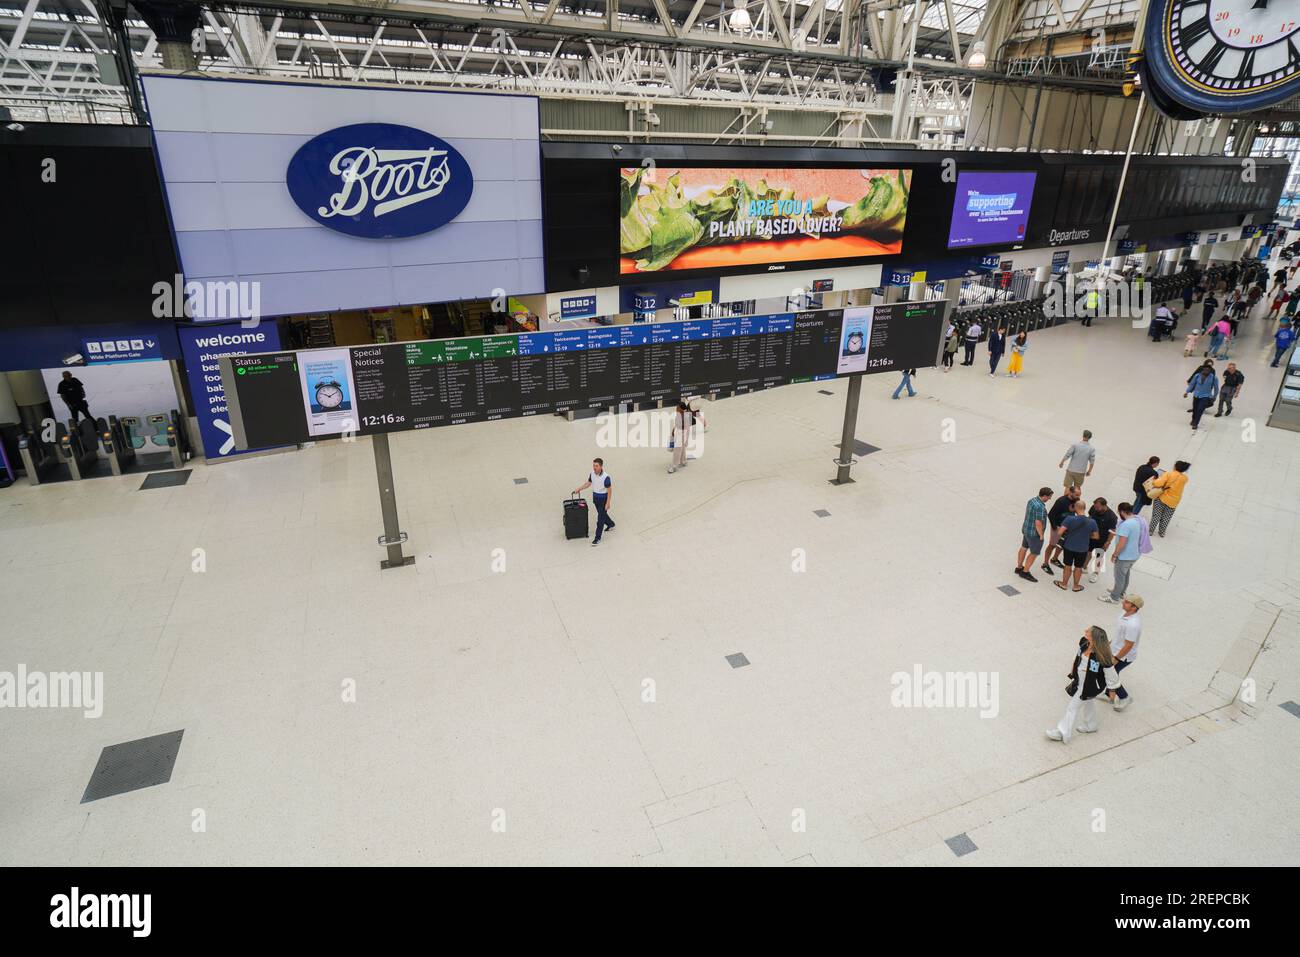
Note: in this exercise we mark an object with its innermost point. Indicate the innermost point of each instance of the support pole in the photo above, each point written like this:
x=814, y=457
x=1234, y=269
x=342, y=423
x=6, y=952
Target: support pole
x=845, y=461
x=393, y=537
x=1123, y=177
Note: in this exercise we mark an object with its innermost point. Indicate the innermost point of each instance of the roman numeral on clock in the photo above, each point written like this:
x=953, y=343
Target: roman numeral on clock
x=1194, y=31
x=1211, y=59
x=1247, y=69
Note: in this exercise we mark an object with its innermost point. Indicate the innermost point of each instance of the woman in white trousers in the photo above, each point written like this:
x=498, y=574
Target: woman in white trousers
x=1093, y=674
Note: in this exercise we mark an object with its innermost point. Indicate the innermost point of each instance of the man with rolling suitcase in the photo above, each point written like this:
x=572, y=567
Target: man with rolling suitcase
x=602, y=494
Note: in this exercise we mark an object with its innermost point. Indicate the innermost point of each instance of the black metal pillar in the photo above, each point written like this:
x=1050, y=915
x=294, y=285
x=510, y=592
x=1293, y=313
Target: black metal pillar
x=393, y=537
x=849, y=435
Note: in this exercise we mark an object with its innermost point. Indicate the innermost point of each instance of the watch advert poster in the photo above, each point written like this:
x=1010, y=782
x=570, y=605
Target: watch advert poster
x=327, y=391
x=855, y=340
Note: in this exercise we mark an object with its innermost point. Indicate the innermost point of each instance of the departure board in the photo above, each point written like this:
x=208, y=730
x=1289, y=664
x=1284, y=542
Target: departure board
x=290, y=397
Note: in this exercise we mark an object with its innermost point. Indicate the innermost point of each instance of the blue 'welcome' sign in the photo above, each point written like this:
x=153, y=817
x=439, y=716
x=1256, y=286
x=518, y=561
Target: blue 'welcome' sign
x=379, y=180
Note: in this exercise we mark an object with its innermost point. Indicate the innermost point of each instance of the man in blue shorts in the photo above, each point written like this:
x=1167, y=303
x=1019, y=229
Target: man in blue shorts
x=1032, y=530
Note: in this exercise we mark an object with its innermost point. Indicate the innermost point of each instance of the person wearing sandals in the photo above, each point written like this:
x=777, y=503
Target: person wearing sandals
x=1078, y=532
x=1092, y=675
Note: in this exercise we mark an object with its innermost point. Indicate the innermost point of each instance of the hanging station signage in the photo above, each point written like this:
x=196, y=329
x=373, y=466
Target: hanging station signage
x=282, y=398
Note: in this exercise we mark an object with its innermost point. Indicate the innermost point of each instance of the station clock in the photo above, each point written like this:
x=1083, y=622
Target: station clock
x=1223, y=56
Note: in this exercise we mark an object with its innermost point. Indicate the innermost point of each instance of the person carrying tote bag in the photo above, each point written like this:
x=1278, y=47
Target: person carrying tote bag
x=1092, y=675
x=1166, y=492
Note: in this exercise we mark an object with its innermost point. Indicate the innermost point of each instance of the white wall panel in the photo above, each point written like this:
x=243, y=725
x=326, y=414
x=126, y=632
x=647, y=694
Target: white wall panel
x=224, y=147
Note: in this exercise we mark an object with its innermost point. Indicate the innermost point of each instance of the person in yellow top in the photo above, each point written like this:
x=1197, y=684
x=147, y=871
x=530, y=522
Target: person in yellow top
x=1171, y=486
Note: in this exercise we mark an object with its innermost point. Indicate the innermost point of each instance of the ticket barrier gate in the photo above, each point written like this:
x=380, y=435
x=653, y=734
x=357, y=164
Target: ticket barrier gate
x=40, y=458
x=117, y=445
x=154, y=433
x=182, y=436
x=79, y=447
x=162, y=432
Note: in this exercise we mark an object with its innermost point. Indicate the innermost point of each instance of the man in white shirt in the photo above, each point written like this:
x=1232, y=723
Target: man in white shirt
x=973, y=333
x=1125, y=643
x=602, y=496
x=1162, y=324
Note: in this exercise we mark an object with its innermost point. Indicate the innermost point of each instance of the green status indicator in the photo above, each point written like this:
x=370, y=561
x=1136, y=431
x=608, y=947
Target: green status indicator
x=500, y=347
x=426, y=353
x=464, y=350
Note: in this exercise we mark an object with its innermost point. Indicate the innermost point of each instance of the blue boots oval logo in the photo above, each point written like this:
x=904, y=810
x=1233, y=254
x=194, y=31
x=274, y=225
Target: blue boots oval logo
x=379, y=181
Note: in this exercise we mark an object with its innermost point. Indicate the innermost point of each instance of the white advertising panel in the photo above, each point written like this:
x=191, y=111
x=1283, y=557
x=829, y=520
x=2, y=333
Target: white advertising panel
x=342, y=197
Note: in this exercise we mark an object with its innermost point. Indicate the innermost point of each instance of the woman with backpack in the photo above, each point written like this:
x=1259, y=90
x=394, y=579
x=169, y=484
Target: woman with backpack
x=1092, y=675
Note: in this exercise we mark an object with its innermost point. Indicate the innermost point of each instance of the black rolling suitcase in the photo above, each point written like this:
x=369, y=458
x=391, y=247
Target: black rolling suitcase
x=575, y=517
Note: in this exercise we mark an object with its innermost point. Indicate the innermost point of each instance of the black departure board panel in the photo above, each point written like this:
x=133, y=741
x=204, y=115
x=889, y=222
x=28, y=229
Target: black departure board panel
x=288, y=397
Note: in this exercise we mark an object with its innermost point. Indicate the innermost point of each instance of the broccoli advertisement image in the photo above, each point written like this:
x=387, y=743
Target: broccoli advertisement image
x=690, y=218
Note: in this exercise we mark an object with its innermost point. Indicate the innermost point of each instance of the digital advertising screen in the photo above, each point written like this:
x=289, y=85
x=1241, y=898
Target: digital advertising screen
x=990, y=208
x=675, y=219
x=285, y=398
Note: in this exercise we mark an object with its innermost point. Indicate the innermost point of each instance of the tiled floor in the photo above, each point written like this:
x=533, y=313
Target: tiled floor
x=515, y=697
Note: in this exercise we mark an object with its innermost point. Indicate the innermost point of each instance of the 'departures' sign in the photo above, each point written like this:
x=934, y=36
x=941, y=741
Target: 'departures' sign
x=380, y=180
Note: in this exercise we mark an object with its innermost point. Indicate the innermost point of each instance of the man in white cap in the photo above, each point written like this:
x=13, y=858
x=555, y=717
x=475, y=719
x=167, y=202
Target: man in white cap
x=1125, y=644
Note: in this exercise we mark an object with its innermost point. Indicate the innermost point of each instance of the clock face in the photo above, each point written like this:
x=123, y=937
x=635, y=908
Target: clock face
x=1225, y=55
x=329, y=395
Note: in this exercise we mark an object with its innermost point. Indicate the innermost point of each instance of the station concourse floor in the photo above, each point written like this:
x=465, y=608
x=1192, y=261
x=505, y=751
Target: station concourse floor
x=501, y=717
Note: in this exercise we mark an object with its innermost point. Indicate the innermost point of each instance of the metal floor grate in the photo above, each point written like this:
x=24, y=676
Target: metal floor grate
x=166, y=479
x=133, y=765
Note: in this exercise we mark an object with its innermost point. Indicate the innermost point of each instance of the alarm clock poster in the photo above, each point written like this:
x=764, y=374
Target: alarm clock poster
x=328, y=391
x=855, y=340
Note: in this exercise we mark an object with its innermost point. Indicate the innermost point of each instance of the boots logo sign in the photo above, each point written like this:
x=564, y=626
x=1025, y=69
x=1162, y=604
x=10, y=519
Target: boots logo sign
x=379, y=181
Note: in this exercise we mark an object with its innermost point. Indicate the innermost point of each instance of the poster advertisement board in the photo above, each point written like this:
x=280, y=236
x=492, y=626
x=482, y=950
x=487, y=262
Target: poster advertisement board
x=990, y=207
x=719, y=218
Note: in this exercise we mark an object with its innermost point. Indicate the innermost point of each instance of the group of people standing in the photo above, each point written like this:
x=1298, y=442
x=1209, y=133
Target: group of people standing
x=967, y=334
x=1078, y=537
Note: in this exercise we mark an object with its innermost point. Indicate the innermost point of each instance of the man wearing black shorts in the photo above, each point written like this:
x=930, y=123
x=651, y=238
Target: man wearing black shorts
x=1106, y=523
x=1078, y=531
x=1055, y=516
